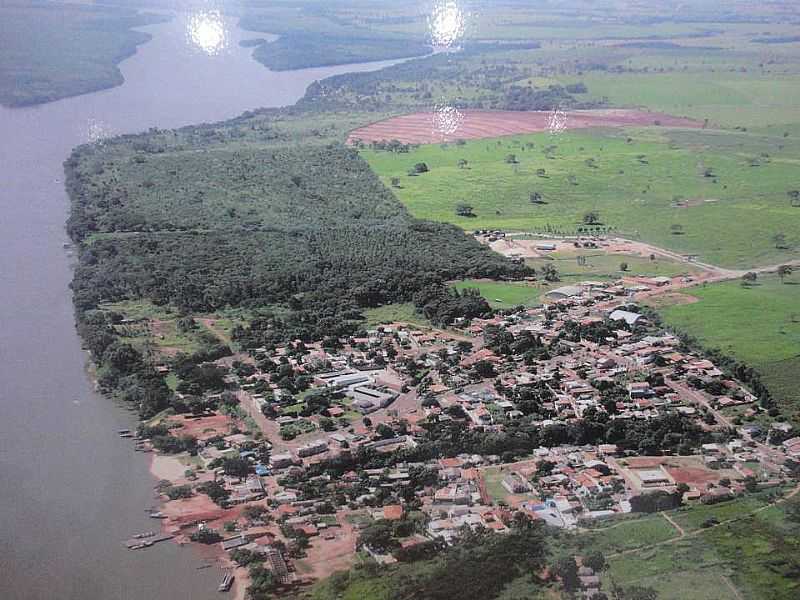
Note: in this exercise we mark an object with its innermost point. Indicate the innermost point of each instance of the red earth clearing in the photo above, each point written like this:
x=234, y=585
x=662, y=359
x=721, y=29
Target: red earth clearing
x=423, y=127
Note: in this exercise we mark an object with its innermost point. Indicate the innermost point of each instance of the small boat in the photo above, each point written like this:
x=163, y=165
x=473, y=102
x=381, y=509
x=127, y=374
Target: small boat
x=226, y=583
x=157, y=515
x=147, y=534
x=126, y=435
x=121, y=431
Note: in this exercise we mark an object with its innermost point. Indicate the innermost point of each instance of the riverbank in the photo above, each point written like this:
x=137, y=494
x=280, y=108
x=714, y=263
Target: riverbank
x=80, y=57
x=51, y=498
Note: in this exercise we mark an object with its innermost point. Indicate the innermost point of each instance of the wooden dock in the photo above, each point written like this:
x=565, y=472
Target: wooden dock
x=145, y=542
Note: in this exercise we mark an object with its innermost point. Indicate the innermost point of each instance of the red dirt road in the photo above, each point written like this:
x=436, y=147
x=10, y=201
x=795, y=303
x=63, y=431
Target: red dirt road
x=421, y=128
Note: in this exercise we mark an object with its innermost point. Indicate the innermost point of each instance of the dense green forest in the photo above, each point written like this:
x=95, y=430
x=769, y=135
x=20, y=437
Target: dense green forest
x=54, y=51
x=213, y=217
x=482, y=75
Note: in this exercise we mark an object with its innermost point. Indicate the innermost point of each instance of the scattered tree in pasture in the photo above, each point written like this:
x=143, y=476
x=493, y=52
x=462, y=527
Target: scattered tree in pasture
x=464, y=210
x=676, y=229
x=550, y=273
x=784, y=271
x=591, y=218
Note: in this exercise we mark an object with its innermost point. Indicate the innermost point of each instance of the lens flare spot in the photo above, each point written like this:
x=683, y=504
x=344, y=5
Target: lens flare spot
x=557, y=121
x=97, y=131
x=447, y=120
x=206, y=32
x=446, y=23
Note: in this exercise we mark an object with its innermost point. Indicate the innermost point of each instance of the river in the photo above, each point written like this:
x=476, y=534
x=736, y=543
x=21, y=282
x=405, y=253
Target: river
x=70, y=489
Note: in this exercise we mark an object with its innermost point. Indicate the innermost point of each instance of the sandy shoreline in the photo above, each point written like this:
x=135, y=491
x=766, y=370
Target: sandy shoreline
x=165, y=467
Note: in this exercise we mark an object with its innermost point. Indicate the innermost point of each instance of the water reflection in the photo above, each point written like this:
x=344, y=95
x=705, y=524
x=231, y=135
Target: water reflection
x=447, y=120
x=446, y=23
x=206, y=32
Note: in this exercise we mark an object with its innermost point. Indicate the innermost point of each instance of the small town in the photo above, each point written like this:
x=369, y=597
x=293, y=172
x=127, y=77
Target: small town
x=395, y=442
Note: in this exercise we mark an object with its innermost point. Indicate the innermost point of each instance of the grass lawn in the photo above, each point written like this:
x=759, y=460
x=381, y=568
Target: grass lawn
x=759, y=325
x=493, y=478
x=505, y=294
x=642, y=182
x=393, y=313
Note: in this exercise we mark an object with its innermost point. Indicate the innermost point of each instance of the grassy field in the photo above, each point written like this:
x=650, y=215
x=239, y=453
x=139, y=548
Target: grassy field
x=493, y=478
x=394, y=313
x=506, y=294
x=55, y=51
x=756, y=556
x=150, y=326
x=601, y=266
x=626, y=535
x=759, y=325
x=692, y=518
x=726, y=99
x=692, y=191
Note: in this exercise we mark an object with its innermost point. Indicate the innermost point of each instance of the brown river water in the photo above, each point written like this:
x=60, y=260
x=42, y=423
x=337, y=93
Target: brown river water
x=70, y=489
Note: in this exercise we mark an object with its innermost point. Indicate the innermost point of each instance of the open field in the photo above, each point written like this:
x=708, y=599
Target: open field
x=506, y=294
x=601, y=265
x=394, y=313
x=692, y=519
x=55, y=51
x=722, y=196
x=751, y=558
x=618, y=536
x=425, y=128
x=726, y=99
x=758, y=324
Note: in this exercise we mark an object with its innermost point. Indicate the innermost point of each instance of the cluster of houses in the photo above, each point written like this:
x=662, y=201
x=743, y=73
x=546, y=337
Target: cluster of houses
x=393, y=380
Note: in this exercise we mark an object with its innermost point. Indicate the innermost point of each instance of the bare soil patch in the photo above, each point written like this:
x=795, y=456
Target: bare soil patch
x=203, y=428
x=670, y=299
x=421, y=128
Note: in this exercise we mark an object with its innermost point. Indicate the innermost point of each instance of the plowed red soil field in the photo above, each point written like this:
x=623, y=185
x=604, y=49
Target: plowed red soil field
x=423, y=128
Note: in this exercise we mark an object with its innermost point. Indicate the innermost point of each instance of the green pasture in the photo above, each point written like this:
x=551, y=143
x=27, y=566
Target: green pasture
x=755, y=555
x=629, y=534
x=720, y=195
x=600, y=265
x=758, y=324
